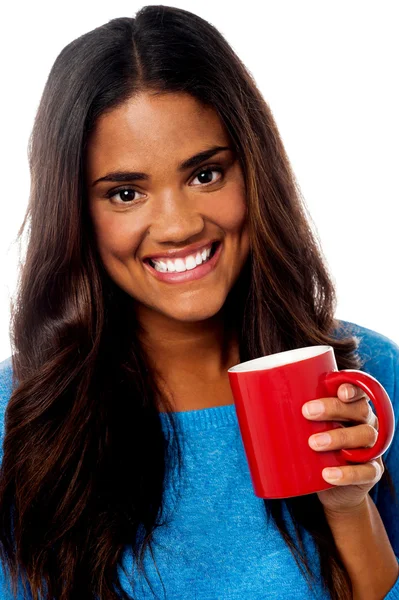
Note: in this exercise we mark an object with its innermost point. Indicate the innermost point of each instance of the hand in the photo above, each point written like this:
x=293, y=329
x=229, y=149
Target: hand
x=352, y=488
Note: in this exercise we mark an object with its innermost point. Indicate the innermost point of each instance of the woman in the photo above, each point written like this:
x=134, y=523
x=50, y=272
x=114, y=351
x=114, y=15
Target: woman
x=123, y=471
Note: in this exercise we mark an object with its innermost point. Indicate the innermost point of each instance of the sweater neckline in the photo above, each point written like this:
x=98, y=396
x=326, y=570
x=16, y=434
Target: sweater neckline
x=203, y=418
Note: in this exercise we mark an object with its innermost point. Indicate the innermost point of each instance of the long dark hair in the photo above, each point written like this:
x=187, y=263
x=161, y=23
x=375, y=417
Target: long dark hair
x=83, y=409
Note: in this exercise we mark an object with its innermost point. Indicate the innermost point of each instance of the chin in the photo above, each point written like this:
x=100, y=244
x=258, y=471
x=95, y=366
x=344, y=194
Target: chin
x=191, y=313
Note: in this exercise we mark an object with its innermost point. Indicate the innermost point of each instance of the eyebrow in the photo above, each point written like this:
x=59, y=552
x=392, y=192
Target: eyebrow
x=190, y=163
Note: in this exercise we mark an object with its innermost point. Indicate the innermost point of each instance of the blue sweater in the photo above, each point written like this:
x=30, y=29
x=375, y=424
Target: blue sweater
x=217, y=544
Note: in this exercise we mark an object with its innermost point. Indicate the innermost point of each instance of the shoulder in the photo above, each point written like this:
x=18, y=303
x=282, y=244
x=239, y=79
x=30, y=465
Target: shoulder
x=372, y=344
x=6, y=386
x=379, y=355
x=5, y=380
x=5, y=374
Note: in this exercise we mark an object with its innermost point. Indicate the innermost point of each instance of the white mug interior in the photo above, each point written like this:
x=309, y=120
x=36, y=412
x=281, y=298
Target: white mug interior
x=279, y=358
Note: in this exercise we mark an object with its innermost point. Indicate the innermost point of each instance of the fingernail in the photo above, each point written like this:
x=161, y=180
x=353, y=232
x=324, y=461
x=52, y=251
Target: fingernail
x=349, y=392
x=315, y=408
x=322, y=439
x=332, y=474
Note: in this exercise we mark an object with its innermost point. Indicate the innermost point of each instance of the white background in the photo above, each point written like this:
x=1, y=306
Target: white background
x=329, y=72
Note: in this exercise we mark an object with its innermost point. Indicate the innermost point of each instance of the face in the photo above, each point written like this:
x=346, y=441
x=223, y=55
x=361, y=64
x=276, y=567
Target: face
x=168, y=206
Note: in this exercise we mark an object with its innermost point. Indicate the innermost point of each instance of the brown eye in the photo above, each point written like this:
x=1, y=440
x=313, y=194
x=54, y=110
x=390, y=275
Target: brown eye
x=208, y=176
x=126, y=195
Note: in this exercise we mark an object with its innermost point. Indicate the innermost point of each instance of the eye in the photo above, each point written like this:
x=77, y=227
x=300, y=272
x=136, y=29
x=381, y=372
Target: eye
x=126, y=196
x=126, y=192
x=209, y=170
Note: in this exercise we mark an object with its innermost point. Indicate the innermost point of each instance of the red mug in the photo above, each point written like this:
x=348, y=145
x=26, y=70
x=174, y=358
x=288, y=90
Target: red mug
x=269, y=393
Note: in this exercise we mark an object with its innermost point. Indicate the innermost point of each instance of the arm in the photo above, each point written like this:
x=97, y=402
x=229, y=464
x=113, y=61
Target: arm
x=366, y=551
x=369, y=540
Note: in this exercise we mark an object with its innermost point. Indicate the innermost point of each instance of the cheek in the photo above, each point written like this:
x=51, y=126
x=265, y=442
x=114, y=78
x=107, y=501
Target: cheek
x=116, y=236
x=229, y=211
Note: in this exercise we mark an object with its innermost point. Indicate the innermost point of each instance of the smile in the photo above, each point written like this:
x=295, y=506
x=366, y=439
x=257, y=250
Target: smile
x=189, y=268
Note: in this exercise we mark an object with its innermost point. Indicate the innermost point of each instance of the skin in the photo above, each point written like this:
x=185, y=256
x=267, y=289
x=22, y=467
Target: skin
x=183, y=323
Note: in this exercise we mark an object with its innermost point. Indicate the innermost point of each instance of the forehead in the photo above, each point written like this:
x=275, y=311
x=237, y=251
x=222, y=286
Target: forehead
x=149, y=127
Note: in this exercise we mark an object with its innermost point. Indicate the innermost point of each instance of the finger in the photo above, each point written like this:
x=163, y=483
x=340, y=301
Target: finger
x=358, y=436
x=370, y=472
x=350, y=393
x=334, y=409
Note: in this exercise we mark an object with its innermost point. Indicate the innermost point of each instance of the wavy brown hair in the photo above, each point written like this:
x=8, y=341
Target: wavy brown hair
x=72, y=430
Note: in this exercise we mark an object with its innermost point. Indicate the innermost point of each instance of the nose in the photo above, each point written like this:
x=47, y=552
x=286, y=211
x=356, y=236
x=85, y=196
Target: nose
x=175, y=218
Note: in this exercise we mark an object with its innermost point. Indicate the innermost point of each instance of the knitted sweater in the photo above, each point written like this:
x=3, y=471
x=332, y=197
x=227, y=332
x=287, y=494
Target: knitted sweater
x=216, y=543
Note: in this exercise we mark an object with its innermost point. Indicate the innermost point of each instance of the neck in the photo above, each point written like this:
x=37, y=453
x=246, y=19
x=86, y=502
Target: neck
x=201, y=350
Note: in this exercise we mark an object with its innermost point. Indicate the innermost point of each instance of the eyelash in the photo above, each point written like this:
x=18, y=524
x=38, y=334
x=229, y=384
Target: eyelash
x=116, y=191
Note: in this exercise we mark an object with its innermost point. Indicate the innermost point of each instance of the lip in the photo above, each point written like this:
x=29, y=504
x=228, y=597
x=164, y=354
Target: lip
x=183, y=253
x=190, y=275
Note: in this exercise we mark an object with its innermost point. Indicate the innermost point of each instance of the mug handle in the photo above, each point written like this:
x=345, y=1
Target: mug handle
x=383, y=408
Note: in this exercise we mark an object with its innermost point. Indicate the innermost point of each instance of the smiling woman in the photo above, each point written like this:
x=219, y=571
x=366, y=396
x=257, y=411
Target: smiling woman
x=168, y=241
x=189, y=196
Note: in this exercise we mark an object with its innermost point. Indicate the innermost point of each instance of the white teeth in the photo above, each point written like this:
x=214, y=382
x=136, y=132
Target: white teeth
x=171, y=266
x=179, y=265
x=162, y=266
x=190, y=263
